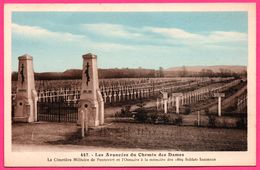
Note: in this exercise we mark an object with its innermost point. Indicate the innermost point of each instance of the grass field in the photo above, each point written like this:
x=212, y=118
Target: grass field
x=133, y=135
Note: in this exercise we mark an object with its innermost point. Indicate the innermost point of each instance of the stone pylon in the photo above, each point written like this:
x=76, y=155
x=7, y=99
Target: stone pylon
x=91, y=101
x=26, y=96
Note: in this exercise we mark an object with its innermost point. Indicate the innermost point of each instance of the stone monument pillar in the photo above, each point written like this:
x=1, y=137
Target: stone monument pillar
x=26, y=95
x=90, y=97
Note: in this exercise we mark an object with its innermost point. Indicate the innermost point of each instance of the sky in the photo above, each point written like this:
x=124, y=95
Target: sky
x=57, y=40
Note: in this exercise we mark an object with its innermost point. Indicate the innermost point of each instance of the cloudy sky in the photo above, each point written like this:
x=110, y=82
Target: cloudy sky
x=57, y=40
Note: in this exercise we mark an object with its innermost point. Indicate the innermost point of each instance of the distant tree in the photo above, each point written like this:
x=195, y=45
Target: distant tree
x=225, y=72
x=126, y=73
x=244, y=73
x=161, y=74
x=206, y=73
x=183, y=72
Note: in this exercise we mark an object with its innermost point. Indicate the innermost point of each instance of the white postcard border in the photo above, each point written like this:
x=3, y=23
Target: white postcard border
x=34, y=159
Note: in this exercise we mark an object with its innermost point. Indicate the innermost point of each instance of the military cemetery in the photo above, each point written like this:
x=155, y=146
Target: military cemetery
x=91, y=103
x=130, y=80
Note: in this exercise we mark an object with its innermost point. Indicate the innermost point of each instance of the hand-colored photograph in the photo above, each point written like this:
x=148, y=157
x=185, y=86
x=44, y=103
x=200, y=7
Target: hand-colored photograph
x=131, y=87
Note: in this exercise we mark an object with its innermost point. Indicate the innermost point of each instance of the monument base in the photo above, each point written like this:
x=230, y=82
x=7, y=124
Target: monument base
x=22, y=120
x=91, y=109
x=91, y=122
x=25, y=111
x=94, y=124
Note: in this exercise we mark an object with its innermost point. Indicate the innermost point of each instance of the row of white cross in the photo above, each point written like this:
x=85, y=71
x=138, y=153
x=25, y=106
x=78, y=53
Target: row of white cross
x=124, y=84
x=132, y=93
x=145, y=81
x=69, y=95
x=123, y=94
x=176, y=99
x=159, y=84
x=105, y=84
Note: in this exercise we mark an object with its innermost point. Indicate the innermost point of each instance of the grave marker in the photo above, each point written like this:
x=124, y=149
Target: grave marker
x=177, y=101
x=219, y=95
x=165, y=98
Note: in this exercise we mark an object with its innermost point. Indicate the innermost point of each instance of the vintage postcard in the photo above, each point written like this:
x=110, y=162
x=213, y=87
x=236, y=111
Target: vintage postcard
x=126, y=85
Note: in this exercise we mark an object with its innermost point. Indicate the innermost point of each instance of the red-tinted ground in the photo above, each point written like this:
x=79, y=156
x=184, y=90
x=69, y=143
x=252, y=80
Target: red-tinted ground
x=130, y=135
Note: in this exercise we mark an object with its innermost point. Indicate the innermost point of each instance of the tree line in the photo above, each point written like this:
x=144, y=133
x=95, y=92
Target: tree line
x=134, y=73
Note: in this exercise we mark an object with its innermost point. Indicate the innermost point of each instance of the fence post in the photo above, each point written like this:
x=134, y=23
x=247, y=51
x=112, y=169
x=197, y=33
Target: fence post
x=82, y=123
x=59, y=109
x=198, y=118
